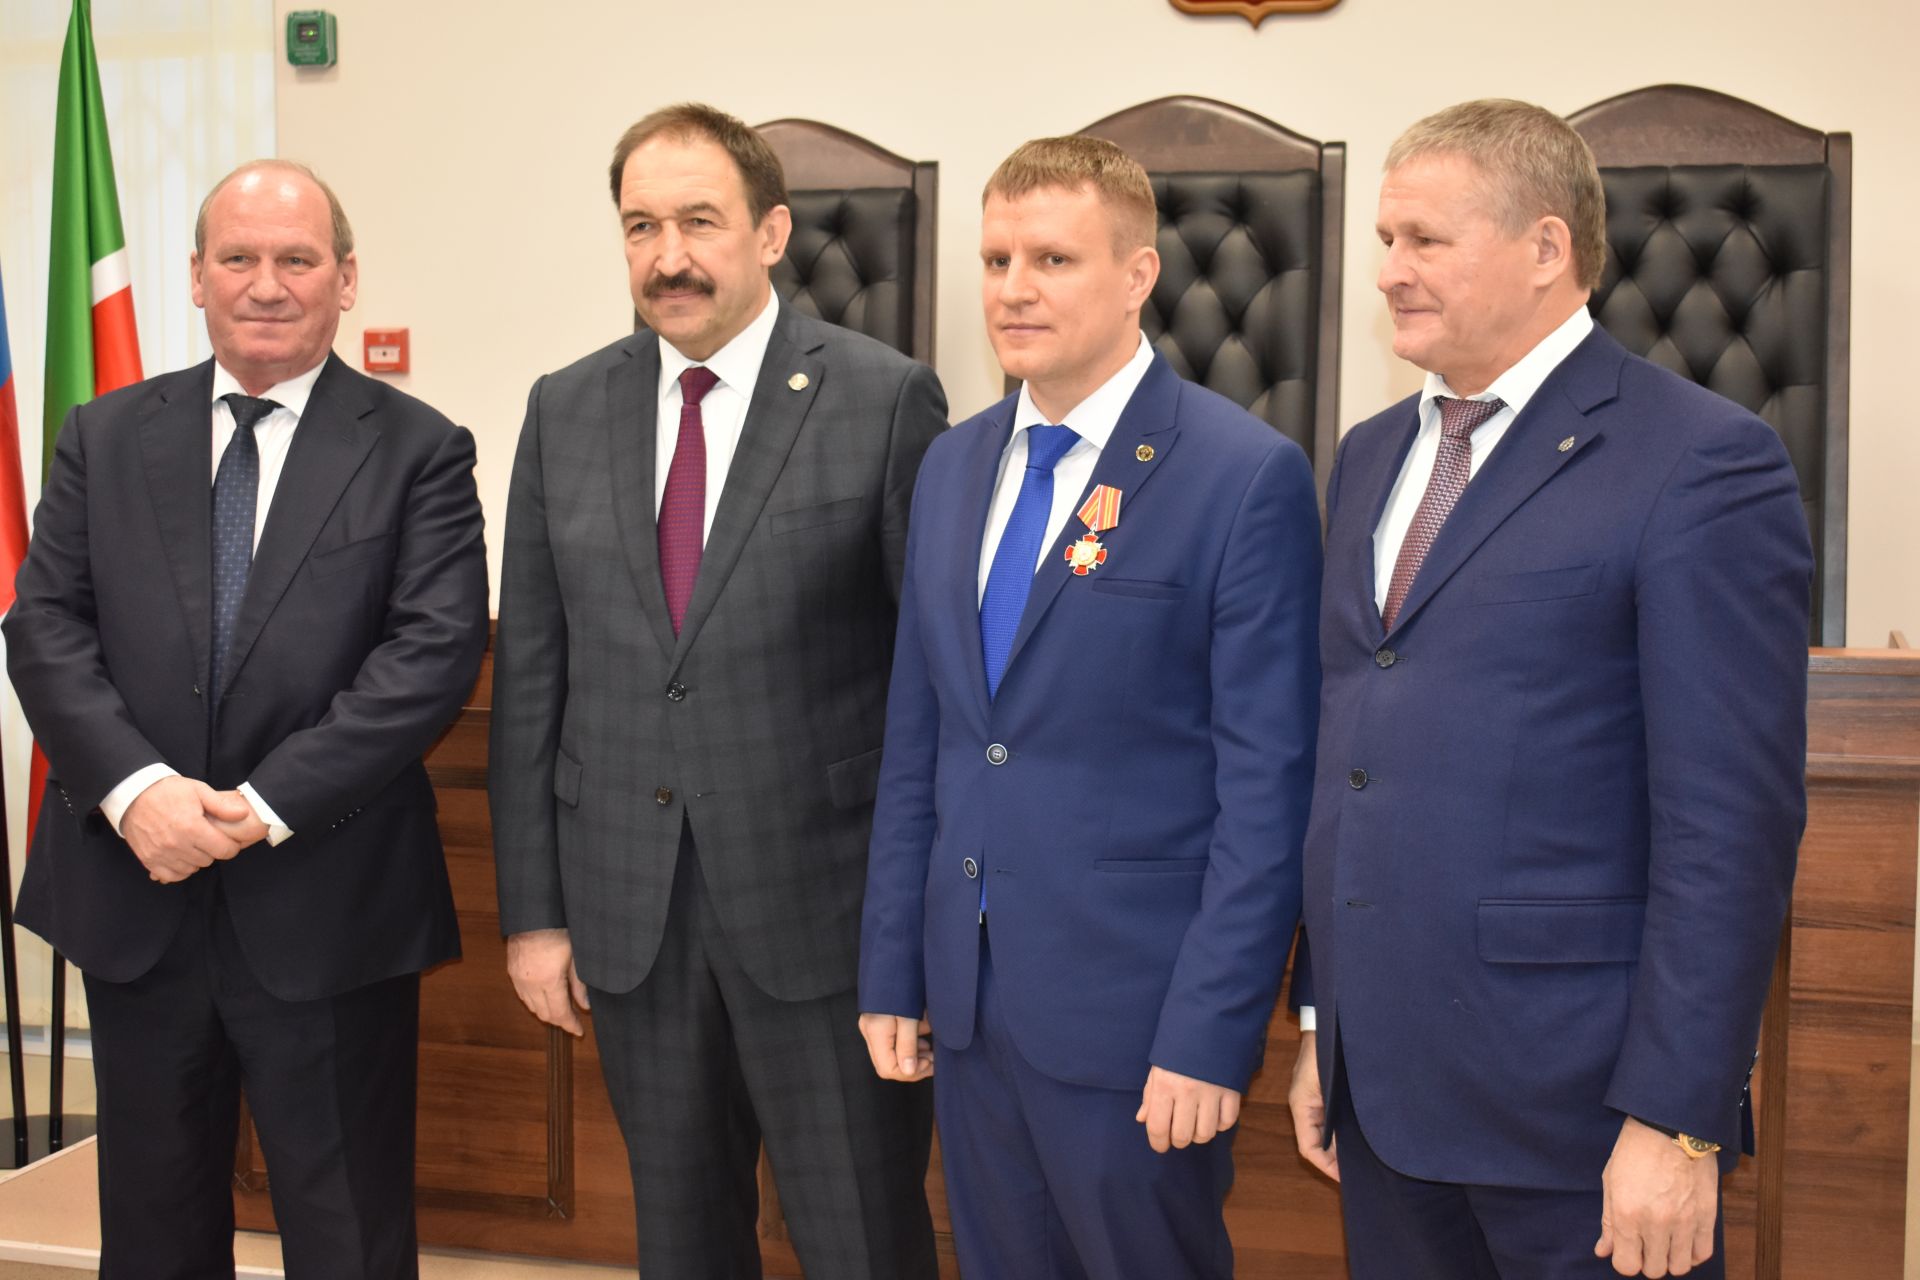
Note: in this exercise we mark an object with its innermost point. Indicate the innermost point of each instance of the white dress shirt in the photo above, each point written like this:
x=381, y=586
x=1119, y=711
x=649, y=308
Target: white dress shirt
x=1093, y=420
x=723, y=411
x=1513, y=389
x=273, y=435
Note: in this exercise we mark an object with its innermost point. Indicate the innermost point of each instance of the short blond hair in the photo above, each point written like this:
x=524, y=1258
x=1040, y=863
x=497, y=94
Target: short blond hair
x=1074, y=162
x=1538, y=164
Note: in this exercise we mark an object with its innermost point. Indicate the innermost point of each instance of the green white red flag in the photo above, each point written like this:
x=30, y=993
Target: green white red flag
x=92, y=346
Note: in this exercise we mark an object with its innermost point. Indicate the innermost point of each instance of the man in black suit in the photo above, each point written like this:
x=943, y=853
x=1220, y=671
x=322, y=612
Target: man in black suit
x=238, y=846
x=705, y=534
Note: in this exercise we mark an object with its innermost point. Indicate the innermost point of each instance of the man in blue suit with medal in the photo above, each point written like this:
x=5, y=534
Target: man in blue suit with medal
x=1084, y=867
x=1562, y=744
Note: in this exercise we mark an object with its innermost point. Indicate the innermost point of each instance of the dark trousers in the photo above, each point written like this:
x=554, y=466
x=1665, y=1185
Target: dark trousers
x=702, y=1066
x=331, y=1086
x=1054, y=1181
x=1401, y=1228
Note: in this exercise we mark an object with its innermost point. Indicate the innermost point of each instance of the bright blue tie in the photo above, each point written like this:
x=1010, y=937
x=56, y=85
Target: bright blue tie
x=1011, y=578
x=236, y=491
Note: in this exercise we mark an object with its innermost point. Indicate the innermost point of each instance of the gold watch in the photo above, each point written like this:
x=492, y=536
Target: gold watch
x=1696, y=1148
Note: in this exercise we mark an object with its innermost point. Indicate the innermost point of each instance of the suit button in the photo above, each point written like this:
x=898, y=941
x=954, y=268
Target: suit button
x=1385, y=658
x=676, y=692
x=996, y=754
x=1357, y=779
x=972, y=869
x=663, y=795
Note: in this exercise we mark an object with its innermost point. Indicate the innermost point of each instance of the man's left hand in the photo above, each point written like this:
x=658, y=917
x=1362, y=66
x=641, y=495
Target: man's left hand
x=1179, y=1110
x=1659, y=1205
x=245, y=831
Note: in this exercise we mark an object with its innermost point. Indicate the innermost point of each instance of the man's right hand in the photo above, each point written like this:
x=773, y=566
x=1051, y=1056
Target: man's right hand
x=901, y=1048
x=1309, y=1107
x=540, y=962
x=170, y=827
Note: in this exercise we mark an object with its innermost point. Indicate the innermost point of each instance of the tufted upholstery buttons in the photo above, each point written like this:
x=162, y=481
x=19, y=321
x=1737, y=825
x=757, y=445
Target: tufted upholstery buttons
x=1235, y=306
x=1720, y=274
x=850, y=260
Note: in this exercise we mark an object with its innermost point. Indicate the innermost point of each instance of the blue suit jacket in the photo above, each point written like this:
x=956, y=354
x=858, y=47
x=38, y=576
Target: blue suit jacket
x=1140, y=842
x=1558, y=806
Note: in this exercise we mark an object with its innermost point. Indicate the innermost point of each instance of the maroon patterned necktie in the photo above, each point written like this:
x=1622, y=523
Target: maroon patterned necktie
x=1451, y=468
x=683, y=503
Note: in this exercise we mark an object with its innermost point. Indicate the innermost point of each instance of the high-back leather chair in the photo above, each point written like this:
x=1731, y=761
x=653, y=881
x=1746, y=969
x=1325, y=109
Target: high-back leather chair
x=1729, y=234
x=1251, y=225
x=862, y=250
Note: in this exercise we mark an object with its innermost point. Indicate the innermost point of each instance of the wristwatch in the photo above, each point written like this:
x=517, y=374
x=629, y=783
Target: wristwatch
x=1696, y=1148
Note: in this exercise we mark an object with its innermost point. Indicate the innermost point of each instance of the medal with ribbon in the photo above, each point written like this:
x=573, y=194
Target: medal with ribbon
x=1100, y=512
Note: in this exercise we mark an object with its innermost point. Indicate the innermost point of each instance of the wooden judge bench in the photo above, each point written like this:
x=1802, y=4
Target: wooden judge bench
x=519, y=1151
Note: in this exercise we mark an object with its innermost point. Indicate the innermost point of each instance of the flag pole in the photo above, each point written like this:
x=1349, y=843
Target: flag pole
x=10, y=961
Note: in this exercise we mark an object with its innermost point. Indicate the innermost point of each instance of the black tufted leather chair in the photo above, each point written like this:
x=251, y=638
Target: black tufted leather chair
x=1728, y=261
x=1251, y=225
x=862, y=250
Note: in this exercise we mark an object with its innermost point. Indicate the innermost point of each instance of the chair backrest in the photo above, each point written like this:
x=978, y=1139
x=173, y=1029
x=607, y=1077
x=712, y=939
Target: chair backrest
x=1729, y=243
x=862, y=250
x=1251, y=226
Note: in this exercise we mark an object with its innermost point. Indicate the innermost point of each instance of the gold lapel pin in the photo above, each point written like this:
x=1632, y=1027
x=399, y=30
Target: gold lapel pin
x=1566, y=444
x=1144, y=453
x=798, y=382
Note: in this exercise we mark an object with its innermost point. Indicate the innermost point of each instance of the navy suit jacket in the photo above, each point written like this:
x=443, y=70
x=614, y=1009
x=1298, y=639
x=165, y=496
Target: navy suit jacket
x=1558, y=806
x=1140, y=836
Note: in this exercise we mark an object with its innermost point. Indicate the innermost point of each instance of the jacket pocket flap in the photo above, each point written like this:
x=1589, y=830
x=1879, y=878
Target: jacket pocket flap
x=1544, y=584
x=854, y=781
x=1561, y=930
x=566, y=777
x=345, y=556
x=1140, y=587
x=1153, y=866
x=810, y=517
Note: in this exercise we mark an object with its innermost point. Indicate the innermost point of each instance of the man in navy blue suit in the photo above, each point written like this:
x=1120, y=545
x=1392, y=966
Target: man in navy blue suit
x=1560, y=769
x=1084, y=868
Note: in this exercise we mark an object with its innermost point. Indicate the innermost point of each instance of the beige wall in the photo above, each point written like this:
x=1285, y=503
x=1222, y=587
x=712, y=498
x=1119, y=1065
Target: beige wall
x=471, y=152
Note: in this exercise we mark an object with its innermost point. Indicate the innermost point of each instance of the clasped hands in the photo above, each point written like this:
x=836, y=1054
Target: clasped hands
x=1177, y=1110
x=181, y=825
x=1658, y=1204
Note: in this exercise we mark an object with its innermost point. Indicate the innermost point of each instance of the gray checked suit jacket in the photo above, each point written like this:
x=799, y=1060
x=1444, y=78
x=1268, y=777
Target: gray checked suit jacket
x=760, y=724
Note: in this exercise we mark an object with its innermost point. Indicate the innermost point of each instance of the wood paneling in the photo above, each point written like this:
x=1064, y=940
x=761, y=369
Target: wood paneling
x=519, y=1151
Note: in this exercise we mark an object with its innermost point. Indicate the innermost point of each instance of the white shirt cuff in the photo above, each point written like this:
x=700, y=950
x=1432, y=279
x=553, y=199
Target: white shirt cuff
x=1308, y=1021
x=121, y=798
x=277, y=831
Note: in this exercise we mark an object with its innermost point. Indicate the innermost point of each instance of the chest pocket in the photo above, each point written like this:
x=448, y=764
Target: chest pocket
x=1543, y=584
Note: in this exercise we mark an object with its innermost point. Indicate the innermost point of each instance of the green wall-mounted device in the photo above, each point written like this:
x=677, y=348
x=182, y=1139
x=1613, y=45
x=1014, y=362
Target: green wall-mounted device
x=313, y=38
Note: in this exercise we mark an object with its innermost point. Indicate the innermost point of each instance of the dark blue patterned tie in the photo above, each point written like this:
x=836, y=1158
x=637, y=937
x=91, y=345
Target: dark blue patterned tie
x=1010, y=579
x=236, y=491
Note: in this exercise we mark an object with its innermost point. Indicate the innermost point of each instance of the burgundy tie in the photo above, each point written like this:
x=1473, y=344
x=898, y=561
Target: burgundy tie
x=1451, y=468
x=683, y=504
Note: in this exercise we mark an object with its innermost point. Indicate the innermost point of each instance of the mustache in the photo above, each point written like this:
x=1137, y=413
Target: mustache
x=683, y=282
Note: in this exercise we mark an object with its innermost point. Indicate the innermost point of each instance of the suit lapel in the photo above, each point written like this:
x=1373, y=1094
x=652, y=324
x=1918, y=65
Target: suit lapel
x=1551, y=432
x=176, y=438
x=334, y=436
x=1148, y=419
x=775, y=414
x=1379, y=482
x=973, y=498
x=633, y=405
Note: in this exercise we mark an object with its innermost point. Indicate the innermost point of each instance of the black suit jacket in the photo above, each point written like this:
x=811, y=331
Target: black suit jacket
x=359, y=637
x=760, y=723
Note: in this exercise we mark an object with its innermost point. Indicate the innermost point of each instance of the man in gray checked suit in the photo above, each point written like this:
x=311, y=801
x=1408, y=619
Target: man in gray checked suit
x=705, y=535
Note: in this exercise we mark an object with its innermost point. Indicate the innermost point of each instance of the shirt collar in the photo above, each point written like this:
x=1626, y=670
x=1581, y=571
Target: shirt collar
x=737, y=364
x=291, y=395
x=1094, y=418
x=1518, y=384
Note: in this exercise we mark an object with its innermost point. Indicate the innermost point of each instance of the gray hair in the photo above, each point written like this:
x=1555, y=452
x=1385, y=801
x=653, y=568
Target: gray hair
x=342, y=230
